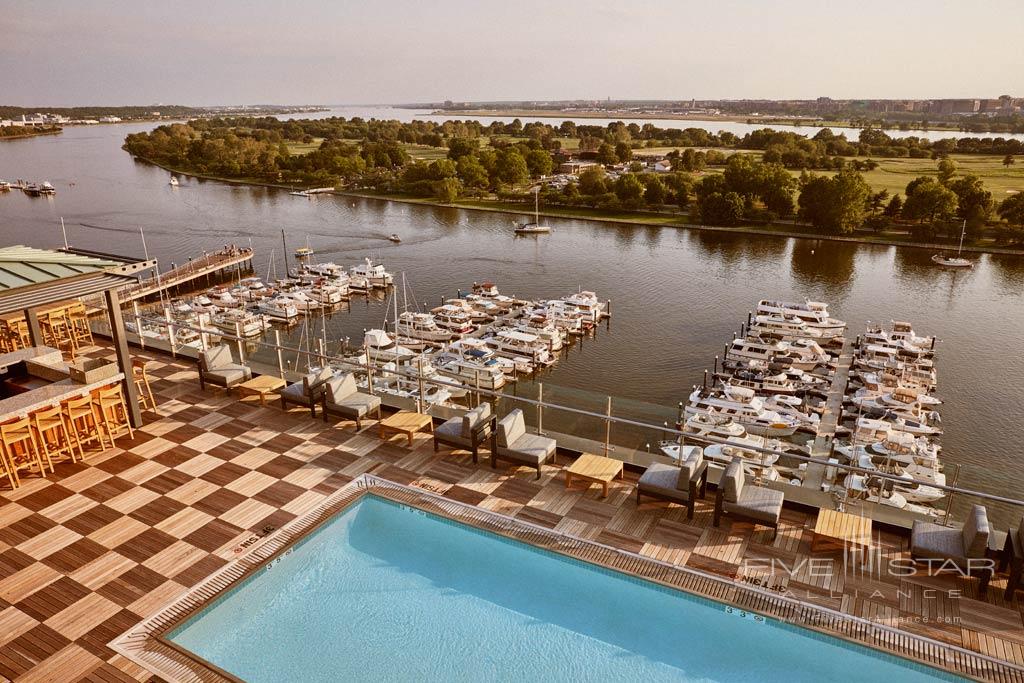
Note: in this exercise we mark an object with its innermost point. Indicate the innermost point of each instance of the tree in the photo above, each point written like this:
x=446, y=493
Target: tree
x=894, y=207
x=654, y=193
x=511, y=167
x=721, y=209
x=539, y=163
x=1008, y=160
x=1011, y=210
x=947, y=169
x=623, y=152
x=447, y=190
x=460, y=147
x=974, y=202
x=592, y=181
x=836, y=204
x=606, y=154
x=471, y=172
x=930, y=202
x=629, y=190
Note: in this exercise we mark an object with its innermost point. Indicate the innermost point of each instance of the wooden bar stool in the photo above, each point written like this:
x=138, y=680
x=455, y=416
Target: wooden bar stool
x=146, y=399
x=82, y=424
x=112, y=412
x=7, y=468
x=79, y=321
x=52, y=435
x=19, y=446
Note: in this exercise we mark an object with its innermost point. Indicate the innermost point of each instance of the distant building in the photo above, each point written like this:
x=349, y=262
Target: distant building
x=110, y=119
x=662, y=166
x=575, y=167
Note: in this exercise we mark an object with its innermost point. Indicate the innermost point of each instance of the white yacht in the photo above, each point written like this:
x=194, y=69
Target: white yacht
x=487, y=374
x=373, y=272
x=760, y=352
x=454, y=319
x=278, y=308
x=876, y=490
x=587, y=304
x=784, y=327
x=327, y=294
x=765, y=383
x=813, y=313
x=246, y=323
x=477, y=350
x=421, y=326
x=744, y=408
x=521, y=344
x=545, y=329
x=173, y=182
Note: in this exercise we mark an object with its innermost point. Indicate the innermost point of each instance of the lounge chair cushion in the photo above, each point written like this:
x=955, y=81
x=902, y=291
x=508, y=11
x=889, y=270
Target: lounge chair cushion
x=356, y=405
x=511, y=427
x=341, y=386
x=227, y=376
x=733, y=481
x=757, y=502
x=295, y=393
x=217, y=357
x=472, y=419
x=530, y=448
x=451, y=432
x=663, y=480
x=689, y=468
x=314, y=380
x=936, y=542
x=975, y=532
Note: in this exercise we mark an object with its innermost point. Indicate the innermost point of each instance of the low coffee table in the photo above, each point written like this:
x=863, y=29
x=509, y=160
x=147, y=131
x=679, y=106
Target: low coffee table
x=594, y=468
x=262, y=385
x=405, y=422
x=841, y=529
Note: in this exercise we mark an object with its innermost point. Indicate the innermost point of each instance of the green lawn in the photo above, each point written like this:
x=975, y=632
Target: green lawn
x=300, y=148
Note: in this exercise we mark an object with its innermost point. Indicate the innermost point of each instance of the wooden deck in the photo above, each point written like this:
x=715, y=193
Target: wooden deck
x=89, y=552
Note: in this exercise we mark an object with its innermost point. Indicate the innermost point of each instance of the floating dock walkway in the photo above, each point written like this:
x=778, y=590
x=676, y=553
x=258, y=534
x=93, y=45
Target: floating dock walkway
x=208, y=264
x=821, y=447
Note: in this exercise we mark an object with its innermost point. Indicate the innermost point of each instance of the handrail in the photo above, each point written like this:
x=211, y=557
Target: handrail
x=588, y=413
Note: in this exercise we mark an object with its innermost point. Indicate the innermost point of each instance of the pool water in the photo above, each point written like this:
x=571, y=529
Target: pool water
x=387, y=592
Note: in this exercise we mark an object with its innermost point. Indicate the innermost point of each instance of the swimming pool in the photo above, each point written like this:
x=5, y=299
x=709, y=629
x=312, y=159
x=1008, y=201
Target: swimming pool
x=387, y=592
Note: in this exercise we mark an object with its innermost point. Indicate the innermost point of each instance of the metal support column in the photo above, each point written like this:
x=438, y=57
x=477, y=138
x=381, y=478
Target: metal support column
x=124, y=360
x=35, y=333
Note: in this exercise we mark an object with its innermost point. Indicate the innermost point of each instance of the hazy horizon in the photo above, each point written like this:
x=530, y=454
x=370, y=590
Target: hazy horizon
x=190, y=53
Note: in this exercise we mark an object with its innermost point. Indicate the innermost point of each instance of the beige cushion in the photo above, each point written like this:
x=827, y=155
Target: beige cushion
x=936, y=541
x=689, y=468
x=757, y=502
x=217, y=357
x=314, y=380
x=975, y=532
x=451, y=432
x=341, y=386
x=661, y=479
x=511, y=427
x=472, y=419
x=733, y=481
x=529, y=448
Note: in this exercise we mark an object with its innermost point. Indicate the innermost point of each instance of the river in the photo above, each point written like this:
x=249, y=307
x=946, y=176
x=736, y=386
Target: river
x=678, y=294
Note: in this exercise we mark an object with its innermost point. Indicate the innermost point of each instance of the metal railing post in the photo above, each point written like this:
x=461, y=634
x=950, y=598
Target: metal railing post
x=540, y=407
x=238, y=340
x=419, y=371
x=608, y=428
x=949, y=500
x=369, y=373
x=280, y=358
x=170, y=332
x=476, y=372
x=138, y=324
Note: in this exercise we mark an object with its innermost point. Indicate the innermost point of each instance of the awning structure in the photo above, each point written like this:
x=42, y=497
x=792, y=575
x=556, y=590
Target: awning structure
x=32, y=279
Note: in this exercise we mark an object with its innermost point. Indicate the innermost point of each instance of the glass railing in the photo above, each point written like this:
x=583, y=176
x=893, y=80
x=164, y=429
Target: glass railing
x=633, y=431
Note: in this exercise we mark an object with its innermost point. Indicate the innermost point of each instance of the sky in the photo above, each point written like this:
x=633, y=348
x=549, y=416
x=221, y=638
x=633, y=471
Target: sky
x=68, y=52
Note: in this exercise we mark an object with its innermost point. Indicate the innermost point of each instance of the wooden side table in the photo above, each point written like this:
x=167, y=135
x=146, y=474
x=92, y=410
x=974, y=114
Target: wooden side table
x=594, y=468
x=405, y=422
x=841, y=529
x=262, y=386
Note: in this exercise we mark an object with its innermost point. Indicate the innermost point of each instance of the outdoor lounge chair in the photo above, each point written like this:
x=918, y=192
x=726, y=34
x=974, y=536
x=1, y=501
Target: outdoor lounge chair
x=341, y=397
x=218, y=368
x=511, y=442
x=308, y=392
x=466, y=432
x=755, y=504
x=963, y=547
x=676, y=484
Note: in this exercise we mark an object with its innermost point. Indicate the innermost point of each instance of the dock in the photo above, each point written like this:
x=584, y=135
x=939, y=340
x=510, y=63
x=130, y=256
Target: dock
x=821, y=447
x=208, y=264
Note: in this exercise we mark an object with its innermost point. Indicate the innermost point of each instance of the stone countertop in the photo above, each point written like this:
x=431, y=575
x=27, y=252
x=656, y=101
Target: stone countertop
x=17, y=407
x=39, y=354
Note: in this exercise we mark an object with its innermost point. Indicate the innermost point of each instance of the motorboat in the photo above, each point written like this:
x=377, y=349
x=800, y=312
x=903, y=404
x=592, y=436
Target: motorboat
x=813, y=313
x=881, y=491
x=486, y=374
x=327, y=294
x=521, y=344
x=761, y=351
x=393, y=237
x=372, y=272
x=873, y=428
x=304, y=252
x=301, y=300
x=421, y=326
x=47, y=188
x=900, y=333
x=783, y=327
x=477, y=315
x=4, y=186
x=713, y=425
x=477, y=350
x=744, y=408
x=278, y=307
x=236, y=320
x=587, y=304
x=454, y=319
x=766, y=383
x=173, y=182
x=545, y=329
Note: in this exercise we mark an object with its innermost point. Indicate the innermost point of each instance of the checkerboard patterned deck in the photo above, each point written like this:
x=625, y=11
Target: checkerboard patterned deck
x=90, y=551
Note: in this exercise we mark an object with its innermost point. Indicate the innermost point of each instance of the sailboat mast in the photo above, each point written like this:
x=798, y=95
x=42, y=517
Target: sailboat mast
x=284, y=245
x=963, y=232
x=536, y=206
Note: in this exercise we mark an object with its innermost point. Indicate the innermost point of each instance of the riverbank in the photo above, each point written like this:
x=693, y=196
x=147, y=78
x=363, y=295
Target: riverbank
x=641, y=218
x=654, y=219
x=32, y=134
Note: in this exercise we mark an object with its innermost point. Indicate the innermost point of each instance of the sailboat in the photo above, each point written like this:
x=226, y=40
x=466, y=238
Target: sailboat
x=534, y=228
x=955, y=262
x=304, y=252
